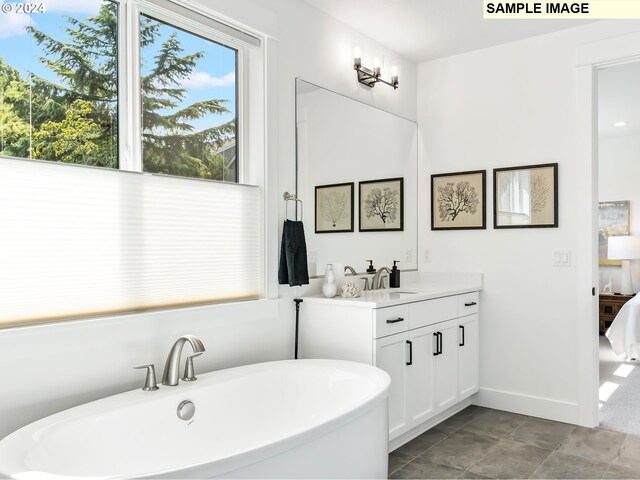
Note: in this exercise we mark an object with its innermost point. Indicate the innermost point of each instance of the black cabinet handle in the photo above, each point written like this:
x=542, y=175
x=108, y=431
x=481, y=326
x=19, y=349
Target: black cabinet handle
x=437, y=350
x=470, y=304
x=462, y=328
x=395, y=320
x=410, y=362
x=439, y=343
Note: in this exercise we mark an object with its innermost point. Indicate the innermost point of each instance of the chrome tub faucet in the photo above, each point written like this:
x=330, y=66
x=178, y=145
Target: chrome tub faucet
x=172, y=366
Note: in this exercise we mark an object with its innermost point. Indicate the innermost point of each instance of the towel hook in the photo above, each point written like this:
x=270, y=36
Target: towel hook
x=290, y=197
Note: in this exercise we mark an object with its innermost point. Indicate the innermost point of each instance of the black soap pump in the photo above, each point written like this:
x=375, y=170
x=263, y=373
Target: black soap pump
x=394, y=278
x=371, y=268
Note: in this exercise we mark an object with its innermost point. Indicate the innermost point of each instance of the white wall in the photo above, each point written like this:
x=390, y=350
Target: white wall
x=511, y=105
x=618, y=174
x=49, y=368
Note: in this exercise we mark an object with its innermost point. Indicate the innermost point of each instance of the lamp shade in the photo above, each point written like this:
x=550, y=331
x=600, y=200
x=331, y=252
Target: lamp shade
x=624, y=248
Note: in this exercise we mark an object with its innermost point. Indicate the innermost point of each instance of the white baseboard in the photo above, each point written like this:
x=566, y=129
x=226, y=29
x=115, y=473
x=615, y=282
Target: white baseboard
x=541, y=407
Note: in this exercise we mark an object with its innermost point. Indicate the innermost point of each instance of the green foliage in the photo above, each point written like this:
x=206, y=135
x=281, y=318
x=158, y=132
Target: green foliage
x=74, y=119
x=72, y=140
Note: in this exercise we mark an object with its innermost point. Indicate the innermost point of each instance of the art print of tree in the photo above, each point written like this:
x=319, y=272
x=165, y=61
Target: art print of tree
x=540, y=190
x=335, y=207
x=382, y=203
x=456, y=198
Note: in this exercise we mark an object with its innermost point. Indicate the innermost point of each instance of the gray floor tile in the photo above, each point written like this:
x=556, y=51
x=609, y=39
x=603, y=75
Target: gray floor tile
x=421, y=468
x=454, y=423
x=397, y=460
x=468, y=474
x=423, y=442
x=511, y=459
x=629, y=454
x=623, y=473
x=460, y=450
x=542, y=433
x=473, y=411
x=496, y=423
x=561, y=465
x=463, y=417
x=593, y=443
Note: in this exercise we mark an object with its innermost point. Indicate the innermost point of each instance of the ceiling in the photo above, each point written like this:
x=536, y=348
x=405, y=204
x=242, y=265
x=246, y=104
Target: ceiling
x=423, y=30
x=619, y=100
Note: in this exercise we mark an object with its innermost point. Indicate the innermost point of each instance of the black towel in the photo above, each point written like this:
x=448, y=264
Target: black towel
x=293, y=255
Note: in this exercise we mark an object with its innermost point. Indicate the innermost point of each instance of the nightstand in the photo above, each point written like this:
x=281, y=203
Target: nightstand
x=609, y=307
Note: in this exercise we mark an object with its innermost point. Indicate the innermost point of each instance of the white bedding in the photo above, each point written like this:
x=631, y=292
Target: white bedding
x=624, y=332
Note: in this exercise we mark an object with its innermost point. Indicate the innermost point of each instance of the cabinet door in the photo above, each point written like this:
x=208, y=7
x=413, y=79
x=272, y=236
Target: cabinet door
x=468, y=356
x=446, y=365
x=391, y=355
x=420, y=376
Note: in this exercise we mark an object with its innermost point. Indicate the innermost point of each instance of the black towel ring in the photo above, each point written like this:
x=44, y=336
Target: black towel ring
x=290, y=197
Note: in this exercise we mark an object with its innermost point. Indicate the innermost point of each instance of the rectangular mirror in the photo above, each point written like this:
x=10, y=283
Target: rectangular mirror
x=342, y=142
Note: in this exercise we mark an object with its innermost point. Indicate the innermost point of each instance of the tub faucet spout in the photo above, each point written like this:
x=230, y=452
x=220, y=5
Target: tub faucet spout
x=172, y=367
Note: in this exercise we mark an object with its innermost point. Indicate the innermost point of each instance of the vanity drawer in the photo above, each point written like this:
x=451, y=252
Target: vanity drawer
x=390, y=320
x=433, y=311
x=468, y=303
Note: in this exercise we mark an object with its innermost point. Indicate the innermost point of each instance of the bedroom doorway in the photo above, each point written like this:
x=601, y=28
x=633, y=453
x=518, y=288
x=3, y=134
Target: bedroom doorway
x=618, y=168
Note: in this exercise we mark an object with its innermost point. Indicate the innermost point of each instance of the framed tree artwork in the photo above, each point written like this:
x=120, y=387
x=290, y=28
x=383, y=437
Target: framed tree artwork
x=334, y=208
x=526, y=197
x=458, y=201
x=382, y=205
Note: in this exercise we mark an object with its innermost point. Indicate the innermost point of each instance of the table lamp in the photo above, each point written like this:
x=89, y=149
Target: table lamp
x=624, y=248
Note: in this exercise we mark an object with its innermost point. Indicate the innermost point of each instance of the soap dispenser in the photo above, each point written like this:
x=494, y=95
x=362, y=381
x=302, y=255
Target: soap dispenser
x=371, y=268
x=394, y=278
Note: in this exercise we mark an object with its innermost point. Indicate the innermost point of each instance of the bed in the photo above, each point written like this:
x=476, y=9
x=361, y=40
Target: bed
x=624, y=332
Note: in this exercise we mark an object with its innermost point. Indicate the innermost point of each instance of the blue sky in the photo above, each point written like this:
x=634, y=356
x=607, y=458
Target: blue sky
x=213, y=78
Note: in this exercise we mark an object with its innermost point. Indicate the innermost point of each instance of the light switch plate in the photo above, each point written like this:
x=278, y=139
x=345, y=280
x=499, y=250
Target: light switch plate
x=562, y=258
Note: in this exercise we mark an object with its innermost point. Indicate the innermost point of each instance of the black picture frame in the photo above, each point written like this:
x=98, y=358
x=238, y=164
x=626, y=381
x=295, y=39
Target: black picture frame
x=474, y=215
x=543, y=186
x=376, y=222
x=340, y=198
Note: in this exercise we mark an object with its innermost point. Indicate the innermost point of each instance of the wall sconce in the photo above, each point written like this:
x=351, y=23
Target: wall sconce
x=370, y=77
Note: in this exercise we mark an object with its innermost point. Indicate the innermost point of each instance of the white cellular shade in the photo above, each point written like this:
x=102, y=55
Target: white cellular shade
x=79, y=241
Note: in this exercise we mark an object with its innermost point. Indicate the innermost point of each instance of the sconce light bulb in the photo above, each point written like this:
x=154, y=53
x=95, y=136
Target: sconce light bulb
x=394, y=71
x=357, y=51
x=357, y=62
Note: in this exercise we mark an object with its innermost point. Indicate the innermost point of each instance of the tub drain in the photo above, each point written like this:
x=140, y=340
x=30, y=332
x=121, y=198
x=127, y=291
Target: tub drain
x=186, y=410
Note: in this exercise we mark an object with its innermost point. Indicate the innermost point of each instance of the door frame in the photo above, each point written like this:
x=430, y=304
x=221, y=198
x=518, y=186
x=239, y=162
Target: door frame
x=590, y=58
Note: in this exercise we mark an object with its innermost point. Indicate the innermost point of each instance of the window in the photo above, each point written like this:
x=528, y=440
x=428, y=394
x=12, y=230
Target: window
x=189, y=99
x=59, y=92
x=83, y=241
x=58, y=83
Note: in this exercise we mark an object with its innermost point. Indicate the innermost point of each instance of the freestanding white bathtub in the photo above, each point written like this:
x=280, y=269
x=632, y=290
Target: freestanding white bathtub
x=296, y=418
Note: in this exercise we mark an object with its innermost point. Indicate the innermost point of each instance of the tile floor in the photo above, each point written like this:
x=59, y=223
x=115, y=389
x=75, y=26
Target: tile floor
x=483, y=443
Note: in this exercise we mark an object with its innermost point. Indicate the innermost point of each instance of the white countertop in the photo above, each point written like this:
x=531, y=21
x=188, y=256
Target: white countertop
x=417, y=288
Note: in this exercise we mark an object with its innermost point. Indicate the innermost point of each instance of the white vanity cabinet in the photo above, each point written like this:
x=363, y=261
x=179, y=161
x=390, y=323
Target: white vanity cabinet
x=428, y=347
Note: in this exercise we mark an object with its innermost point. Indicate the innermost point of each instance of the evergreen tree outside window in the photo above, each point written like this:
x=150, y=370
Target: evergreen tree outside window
x=188, y=103
x=59, y=87
x=58, y=83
